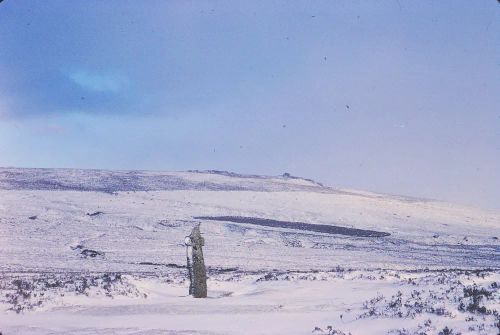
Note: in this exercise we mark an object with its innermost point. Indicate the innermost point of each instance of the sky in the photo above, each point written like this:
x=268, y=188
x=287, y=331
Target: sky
x=398, y=97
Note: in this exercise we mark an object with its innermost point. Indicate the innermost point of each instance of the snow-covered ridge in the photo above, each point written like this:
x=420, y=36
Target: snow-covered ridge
x=111, y=181
x=114, y=181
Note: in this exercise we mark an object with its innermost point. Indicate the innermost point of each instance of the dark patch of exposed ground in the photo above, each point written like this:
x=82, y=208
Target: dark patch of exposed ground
x=312, y=227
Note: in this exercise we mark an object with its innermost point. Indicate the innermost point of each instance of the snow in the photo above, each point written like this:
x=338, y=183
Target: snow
x=263, y=280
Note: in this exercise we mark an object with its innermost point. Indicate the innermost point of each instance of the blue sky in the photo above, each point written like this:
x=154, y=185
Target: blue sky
x=391, y=96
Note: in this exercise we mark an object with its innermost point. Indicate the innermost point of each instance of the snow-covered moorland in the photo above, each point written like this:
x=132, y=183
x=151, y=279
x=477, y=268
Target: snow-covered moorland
x=101, y=252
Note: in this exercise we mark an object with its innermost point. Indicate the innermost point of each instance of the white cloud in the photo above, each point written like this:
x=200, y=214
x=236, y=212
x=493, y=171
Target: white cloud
x=98, y=82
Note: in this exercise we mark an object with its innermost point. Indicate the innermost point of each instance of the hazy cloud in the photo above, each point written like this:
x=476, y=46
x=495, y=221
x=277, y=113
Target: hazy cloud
x=98, y=82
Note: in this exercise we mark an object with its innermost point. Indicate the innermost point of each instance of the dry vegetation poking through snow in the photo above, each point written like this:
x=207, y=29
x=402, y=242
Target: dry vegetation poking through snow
x=344, y=301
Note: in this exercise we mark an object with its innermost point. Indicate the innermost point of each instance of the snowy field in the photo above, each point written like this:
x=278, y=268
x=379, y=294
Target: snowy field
x=100, y=252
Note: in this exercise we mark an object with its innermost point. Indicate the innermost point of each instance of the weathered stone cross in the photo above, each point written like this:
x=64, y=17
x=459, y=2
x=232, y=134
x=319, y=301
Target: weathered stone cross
x=196, y=264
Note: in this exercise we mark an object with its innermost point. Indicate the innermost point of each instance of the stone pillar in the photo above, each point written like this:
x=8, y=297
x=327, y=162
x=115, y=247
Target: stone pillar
x=196, y=263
